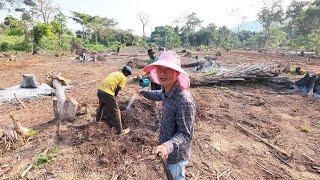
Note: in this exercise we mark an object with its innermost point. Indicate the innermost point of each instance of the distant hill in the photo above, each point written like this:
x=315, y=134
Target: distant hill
x=253, y=26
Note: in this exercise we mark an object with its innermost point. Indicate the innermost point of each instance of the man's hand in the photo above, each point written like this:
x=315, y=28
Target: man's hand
x=162, y=151
x=140, y=91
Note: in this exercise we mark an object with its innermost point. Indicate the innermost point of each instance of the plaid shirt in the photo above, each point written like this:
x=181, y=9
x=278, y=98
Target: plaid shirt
x=176, y=123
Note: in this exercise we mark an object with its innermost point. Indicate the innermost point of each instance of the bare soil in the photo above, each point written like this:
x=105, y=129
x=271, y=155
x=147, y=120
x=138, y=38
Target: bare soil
x=221, y=150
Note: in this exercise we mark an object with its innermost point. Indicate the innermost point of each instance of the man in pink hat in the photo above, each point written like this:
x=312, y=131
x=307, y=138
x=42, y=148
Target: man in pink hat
x=178, y=112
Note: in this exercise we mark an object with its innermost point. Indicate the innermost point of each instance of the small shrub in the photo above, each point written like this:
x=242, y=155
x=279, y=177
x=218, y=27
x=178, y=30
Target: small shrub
x=222, y=88
x=42, y=160
x=23, y=46
x=31, y=133
x=213, y=72
x=305, y=128
x=4, y=46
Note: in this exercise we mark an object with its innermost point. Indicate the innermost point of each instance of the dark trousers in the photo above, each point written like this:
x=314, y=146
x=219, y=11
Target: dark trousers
x=155, y=86
x=109, y=110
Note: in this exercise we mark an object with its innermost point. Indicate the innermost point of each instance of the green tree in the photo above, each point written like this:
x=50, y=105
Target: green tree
x=39, y=31
x=226, y=39
x=93, y=25
x=13, y=26
x=59, y=26
x=270, y=17
x=125, y=37
x=165, y=36
x=295, y=17
x=10, y=21
x=207, y=36
x=303, y=25
x=189, y=25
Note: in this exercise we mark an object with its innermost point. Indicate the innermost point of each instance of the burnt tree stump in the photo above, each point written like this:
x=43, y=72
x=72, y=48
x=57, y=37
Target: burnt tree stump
x=29, y=81
x=309, y=84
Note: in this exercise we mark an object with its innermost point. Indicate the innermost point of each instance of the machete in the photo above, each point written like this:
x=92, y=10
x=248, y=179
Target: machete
x=167, y=171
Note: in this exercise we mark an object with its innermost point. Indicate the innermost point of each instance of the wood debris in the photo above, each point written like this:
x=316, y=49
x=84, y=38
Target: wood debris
x=241, y=74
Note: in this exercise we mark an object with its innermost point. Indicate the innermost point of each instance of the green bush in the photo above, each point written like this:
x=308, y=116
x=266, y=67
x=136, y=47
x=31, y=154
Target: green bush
x=14, y=32
x=92, y=47
x=66, y=41
x=24, y=46
x=4, y=46
x=17, y=43
x=42, y=160
x=48, y=44
x=95, y=47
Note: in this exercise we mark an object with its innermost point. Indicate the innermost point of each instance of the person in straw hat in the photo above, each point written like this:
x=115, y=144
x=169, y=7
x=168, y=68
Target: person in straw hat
x=178, y=111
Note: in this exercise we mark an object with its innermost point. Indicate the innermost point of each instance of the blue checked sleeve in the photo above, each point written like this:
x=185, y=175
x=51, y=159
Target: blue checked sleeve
x=185, y=117
x=156, y=95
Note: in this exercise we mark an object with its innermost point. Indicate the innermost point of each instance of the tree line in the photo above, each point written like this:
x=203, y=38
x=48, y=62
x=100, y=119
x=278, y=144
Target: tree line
x=41, y=26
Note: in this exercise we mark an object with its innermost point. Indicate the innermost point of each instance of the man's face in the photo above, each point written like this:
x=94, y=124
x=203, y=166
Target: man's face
x=167, y=76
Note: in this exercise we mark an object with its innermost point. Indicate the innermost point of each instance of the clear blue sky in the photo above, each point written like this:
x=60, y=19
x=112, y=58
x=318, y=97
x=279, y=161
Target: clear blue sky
x=164, y=12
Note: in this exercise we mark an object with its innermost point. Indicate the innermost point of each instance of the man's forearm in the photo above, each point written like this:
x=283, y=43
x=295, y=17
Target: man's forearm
x=117, y=90
x=176, y=141
x=152, y=95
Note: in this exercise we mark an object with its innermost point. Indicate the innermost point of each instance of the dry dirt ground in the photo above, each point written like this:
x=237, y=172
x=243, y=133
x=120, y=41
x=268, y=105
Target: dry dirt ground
x=221, y=150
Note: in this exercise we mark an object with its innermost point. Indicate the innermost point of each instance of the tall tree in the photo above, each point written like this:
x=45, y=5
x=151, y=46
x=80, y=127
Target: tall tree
x=38, y=9
x=46, y=9
x=94, y=25
x=165, y=36
x=144, y=19
x=189, y=24
x=295, y=18
x=59, y=26
x=206, y=36
x=269, y=17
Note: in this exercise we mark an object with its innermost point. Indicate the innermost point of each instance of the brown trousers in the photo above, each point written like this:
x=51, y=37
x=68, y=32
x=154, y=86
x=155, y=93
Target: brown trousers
x=109, y=110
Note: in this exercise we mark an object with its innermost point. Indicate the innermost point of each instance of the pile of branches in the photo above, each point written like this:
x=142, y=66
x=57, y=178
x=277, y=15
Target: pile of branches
x=14, y=135
x=253, y=71
x=243, y=73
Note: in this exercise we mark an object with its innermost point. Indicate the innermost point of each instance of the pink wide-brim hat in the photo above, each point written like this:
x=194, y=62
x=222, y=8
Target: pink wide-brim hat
x=170, y=60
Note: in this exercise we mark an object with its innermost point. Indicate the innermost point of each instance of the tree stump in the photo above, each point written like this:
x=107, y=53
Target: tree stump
x=64, y=109
x=310, y=84
x=29, y=81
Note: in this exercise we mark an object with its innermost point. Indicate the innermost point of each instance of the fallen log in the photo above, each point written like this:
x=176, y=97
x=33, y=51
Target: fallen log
x=264, y=141
x=243, y=74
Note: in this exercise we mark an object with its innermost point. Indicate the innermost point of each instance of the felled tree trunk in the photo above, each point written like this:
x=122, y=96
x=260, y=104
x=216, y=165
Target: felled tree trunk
x=63, y=108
